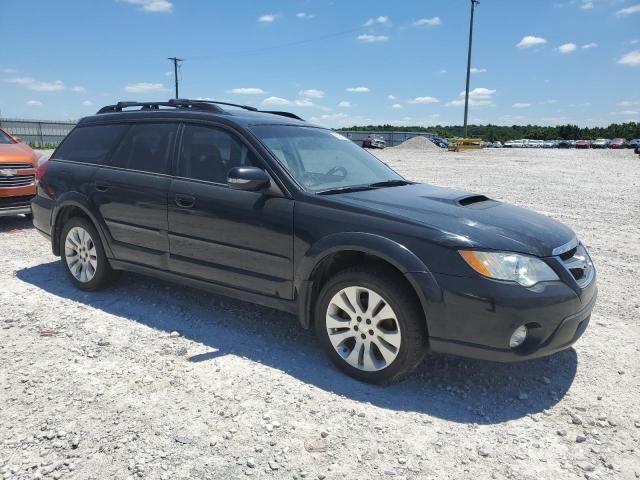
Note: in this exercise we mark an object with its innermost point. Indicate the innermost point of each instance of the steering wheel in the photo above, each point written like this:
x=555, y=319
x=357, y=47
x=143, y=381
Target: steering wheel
x=335, y=171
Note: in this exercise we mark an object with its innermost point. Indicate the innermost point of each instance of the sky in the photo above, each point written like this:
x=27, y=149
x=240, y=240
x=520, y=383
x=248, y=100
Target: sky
x=337, y=63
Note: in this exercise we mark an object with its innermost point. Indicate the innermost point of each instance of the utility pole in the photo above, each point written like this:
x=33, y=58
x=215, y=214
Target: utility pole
x=466, y=96
x=175, y=61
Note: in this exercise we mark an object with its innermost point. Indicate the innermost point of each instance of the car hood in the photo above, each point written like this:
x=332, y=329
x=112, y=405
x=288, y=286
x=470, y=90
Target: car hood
x=461, y=219
x=17, y=153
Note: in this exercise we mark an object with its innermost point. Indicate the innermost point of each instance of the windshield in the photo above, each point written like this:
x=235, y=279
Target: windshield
x=323, y=160
x=4, y=138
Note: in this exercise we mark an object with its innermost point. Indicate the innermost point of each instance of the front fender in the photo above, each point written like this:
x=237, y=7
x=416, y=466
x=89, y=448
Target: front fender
x=80, y=201
x=414, y=269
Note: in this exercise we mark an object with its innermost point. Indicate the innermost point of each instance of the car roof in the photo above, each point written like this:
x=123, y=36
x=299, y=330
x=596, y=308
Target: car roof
x=243, y=116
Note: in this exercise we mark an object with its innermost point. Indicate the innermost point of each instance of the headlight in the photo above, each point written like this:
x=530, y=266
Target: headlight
x=514, y=267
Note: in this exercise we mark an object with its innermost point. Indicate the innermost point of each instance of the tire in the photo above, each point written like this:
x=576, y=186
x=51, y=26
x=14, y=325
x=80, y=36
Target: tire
x=392, y=332
x=79, y=241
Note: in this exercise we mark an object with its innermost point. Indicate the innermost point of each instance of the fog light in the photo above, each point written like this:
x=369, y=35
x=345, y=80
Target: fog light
x=518, y=337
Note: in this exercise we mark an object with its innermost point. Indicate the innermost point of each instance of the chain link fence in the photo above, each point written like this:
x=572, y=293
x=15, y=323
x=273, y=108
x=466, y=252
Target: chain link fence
x=37, y=133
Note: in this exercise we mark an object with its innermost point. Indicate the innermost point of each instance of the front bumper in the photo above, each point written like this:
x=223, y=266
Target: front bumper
x=475, y=317
x=10, y=206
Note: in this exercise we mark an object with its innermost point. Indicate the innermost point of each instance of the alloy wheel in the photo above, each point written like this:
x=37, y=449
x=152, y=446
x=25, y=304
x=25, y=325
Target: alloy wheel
x=80, y=254
x=363, y=328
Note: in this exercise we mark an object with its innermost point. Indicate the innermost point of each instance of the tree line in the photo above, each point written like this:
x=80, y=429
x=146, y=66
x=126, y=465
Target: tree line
x=493, y=133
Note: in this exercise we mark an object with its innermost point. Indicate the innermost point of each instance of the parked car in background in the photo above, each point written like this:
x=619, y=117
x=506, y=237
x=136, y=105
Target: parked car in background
x=583, y=144
x=601, y=143
x=618, y=143
x=633, y=143
x=565, y=144
x=514, y=144
x=280, y=212
x=18, y=164
x=374, y=141
x=549, y=144
x=440, y=142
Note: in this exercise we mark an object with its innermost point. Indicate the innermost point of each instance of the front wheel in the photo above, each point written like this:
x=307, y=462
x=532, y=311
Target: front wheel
x=370, y=326
x=83, y=256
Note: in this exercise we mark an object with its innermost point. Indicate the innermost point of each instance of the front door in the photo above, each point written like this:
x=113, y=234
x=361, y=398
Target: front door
x=229, y=237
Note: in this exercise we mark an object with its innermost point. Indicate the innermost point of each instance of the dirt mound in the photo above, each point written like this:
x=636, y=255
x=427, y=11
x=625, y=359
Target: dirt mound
x=417, y=143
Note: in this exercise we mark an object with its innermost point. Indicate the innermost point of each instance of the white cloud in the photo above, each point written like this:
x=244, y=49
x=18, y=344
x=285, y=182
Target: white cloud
x=429, y=21
x=567, y=48
x=304, y=102
x=37, y=85
x=268, y=18
x=9, y=70
x=358, y=89
x=521, y=105
x=478, y=70
x=381, y=20
x=586, y=5
x=87, y=103
x=78, y=89
x=442, y=72
x=397, y=106
x=344, y=104
x=627, y=112
x=247, y=91
x=530, y=41
x=144, y=87
x=367, y=38
x=629, y=10
x=305, y=16
x=589, y=45
x=391, y=97
x=549, y=102
x=631, y=59
x=478, y=97
x=153, y=5
x=34, y=103
x=276, y=101
x=628, y=103
x=311, y=93
x=423, y=100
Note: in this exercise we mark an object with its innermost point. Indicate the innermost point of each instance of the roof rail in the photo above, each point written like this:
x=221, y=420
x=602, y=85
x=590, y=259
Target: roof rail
x=179, y=103
x=185, y=103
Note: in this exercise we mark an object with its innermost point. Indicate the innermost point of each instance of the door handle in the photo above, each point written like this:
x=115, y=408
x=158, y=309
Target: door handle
x=185, y=201
x=101, y=187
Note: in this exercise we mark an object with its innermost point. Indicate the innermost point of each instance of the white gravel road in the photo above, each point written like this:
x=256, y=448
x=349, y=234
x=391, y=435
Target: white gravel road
x=97, y=386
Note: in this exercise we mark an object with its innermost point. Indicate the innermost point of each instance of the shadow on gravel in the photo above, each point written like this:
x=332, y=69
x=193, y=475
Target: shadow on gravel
x=465, y=391
x=15, y=224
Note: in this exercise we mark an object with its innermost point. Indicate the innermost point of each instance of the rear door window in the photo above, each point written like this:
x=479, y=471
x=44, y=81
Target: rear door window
x=90, y=144
x=146, y=147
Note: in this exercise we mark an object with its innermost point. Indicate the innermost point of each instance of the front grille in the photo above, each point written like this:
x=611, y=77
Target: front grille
x=8, y=202
x=16, y=166
x=17, y=181
x=579, y=265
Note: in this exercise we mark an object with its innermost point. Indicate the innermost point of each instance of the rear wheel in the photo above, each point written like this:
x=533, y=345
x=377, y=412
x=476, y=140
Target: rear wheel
x=83, y=256
x=370, y=326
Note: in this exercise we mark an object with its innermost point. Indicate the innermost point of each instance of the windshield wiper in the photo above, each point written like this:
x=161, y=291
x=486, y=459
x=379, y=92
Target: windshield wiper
x=355, y=188
x=389, y=183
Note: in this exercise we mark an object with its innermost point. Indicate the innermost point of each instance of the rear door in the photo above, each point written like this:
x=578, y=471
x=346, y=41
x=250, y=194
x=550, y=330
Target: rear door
x=229, y=237
x=131, y=193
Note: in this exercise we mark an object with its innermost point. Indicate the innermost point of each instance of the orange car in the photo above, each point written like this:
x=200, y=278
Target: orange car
x=17, y=175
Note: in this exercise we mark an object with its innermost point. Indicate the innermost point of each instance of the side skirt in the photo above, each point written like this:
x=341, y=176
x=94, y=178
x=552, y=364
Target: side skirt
x=288, y=306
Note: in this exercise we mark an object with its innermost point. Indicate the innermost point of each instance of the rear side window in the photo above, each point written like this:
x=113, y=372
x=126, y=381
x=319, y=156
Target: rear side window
x=146, y=147
x=90, y=144
x=209, y=153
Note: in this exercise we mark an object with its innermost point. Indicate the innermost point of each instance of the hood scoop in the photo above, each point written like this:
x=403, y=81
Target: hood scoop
x=472, y=200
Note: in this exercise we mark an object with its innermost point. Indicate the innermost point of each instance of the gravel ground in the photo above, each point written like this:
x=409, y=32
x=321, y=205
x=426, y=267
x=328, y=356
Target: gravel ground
x=154, y=381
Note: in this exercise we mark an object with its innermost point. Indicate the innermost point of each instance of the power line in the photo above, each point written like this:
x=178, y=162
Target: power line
x=175, y=61
x=466, y=95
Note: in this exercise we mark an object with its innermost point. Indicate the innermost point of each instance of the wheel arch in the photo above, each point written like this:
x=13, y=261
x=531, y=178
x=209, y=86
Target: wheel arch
x=318, y=264
x=74, y=204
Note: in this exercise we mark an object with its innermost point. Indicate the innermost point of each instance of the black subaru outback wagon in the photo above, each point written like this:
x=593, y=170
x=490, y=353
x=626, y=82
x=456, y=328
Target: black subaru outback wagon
x=265, y=207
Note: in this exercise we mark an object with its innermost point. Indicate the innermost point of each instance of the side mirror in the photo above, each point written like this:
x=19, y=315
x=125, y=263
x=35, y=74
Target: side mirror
x=247, y=178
